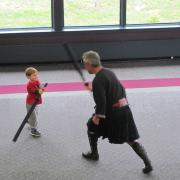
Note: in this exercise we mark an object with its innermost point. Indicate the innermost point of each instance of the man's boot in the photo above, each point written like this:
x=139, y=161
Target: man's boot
x=140, y=151
x=93, y=154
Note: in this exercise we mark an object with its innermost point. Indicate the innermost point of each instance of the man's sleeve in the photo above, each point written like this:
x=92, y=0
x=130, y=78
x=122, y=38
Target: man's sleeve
x=99, y=94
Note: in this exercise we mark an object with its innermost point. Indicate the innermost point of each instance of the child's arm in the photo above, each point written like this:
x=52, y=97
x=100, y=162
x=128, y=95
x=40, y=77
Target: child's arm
x=34, y=88
x=42, y=88
x=31, y=89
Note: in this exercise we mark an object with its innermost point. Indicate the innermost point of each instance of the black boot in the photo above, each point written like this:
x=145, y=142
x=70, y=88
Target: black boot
x=93, y=154
x=140, y=151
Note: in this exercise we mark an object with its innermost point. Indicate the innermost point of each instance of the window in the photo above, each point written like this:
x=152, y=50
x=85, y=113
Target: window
x=155, y=11
x=25, y=13
x=91, y=12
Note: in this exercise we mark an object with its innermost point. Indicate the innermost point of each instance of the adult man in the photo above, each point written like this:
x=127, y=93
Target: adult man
x=113, y=118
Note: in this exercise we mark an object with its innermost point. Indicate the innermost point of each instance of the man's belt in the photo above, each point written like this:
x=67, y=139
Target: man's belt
x=121, y=102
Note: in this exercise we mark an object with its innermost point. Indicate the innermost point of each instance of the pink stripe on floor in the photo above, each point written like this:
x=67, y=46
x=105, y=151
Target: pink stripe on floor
x=150, y=83
x=78, y=86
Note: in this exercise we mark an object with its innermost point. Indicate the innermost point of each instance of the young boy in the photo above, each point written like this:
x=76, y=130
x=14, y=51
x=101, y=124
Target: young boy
x=34, y=90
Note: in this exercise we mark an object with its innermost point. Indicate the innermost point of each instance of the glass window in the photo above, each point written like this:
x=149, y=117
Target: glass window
x=155, y=11
x=25, y=13
x=91, y=12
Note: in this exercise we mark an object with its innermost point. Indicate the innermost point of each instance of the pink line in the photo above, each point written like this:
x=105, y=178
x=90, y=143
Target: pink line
x=150, y=83
x=78, y=86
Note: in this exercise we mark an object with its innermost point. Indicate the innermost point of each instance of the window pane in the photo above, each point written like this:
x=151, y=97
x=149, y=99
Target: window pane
x=25, y=13
x=155, y=11
x=91, y=12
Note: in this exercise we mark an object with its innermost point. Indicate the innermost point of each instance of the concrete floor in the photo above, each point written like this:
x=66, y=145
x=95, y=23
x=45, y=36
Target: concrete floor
x=62, y=122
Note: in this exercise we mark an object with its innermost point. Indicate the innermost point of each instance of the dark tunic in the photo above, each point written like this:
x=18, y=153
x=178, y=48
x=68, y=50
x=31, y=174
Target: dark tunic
x=118, y=125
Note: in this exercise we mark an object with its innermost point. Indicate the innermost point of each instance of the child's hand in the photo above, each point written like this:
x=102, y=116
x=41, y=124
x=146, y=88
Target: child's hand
x=41, y=91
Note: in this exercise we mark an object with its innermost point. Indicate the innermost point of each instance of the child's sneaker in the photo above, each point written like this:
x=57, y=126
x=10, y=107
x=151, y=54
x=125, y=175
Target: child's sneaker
x=35, y=133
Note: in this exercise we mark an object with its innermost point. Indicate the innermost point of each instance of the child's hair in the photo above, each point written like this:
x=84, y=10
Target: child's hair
x=30, y=70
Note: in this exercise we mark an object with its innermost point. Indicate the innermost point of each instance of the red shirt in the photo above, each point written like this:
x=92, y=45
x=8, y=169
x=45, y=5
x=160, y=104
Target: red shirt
x=32, y=86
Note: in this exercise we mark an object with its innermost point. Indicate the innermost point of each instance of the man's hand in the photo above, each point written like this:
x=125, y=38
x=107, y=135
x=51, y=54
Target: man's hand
x=88, y=86
x=96, y=120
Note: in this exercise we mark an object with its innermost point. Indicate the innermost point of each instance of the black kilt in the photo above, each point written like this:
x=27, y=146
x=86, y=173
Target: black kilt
x=119, y=126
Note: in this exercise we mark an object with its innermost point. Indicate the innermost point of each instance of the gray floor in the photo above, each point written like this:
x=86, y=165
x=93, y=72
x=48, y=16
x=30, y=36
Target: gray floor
x=62, y=121
x=66, y=73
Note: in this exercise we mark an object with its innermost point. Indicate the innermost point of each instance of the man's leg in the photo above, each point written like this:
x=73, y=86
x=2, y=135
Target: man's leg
x=140, y=151
x=93, y=139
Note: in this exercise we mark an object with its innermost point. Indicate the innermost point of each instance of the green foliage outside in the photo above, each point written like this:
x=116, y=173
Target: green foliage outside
x=37, y=13
x=153, y=11
x=25, y=13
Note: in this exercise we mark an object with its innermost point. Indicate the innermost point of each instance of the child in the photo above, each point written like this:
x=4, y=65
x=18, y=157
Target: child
x=34, y=90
